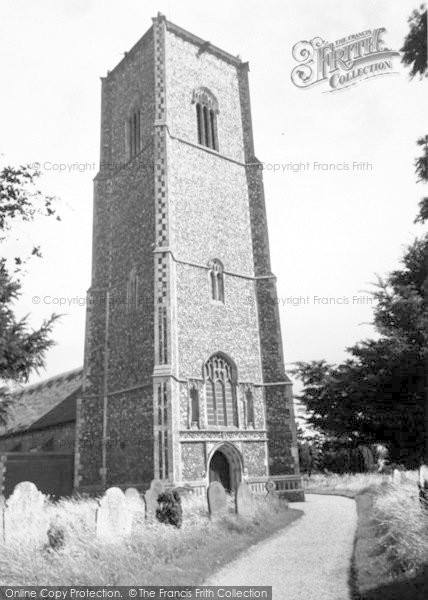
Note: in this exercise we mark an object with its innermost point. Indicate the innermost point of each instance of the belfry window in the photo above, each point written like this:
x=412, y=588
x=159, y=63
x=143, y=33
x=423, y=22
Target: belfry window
x=134, y=133
x=217, y=280
x=220, y=384
x=206, y=117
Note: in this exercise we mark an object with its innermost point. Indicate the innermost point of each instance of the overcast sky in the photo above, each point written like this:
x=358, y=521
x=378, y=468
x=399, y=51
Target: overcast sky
x=330, y=231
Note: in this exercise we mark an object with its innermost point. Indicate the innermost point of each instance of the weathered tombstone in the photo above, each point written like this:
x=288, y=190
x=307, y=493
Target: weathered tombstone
x=367, y=456
x=272, y=496
x=151, y=498
x=396, y=477
x=423, y=485
x=136, y=507
x=114, y=520
x=132, y=495
x=270, y=486
x=423, y=476
x=217, y=500
x=244, y=500
x=25, y=515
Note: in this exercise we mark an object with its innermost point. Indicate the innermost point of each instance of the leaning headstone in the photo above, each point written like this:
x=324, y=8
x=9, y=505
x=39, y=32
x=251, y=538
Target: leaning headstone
x=136, y=507
x=25, y=515
x=217, y=499
x=151, y=498
x=114, y=520
x=244, y=500
x=396, y=477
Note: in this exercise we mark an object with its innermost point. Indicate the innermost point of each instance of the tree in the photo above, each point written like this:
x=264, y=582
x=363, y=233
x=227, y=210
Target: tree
x=22, y=349
x=378, y=394
x=415, y=44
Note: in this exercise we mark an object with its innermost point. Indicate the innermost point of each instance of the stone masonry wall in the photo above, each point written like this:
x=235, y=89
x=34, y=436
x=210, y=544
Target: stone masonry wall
x=124, y=228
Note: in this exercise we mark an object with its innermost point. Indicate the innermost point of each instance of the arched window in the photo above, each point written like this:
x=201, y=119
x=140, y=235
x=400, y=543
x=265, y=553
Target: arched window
x=249, y=409
x=134, y=133
x=220, y=383
x=194, y=406
x=206, y=117
x=217, y=280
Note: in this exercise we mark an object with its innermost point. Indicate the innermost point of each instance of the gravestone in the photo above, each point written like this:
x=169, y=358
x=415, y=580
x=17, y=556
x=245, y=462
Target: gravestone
x=272, y=497
x=151, y=498
x=244, y=500
x=25, y=515
x=423, y=485
x=136, y=507
x=368, y=459
x=396, y=477
x=114, y=520
x=217, y=499
x=270, y=486
x=423, y=476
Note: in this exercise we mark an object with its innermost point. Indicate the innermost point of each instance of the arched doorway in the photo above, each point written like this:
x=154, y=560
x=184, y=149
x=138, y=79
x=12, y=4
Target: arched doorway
x=220, y=470
x=225, y=467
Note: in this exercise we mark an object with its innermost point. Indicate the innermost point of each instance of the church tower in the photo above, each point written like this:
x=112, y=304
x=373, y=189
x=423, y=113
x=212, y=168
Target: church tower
x=184, y=372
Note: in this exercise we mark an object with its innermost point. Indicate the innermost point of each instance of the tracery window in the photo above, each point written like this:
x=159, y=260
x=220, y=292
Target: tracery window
x=220, y=392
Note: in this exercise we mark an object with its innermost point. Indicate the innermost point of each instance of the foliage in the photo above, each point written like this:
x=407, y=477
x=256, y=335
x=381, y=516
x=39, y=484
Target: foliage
x=415, y=44
x=22, y=349
x=379, y=394
x=170, y=510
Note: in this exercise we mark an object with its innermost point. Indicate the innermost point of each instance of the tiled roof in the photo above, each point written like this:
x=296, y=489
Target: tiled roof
x=49, y=402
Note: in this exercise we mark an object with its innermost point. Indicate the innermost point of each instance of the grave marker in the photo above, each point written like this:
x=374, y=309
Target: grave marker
x=114, y=520
x=244, y=500
x=217, y=500
x=151, y=498
x=25, y=516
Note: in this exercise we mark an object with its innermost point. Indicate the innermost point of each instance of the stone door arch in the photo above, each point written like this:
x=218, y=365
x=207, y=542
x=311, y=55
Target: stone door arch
x=225, y=466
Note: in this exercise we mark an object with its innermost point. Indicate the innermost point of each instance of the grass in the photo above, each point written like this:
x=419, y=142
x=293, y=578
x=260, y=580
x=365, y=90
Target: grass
x=390, y=560
x=155, y=554
x=348, y=484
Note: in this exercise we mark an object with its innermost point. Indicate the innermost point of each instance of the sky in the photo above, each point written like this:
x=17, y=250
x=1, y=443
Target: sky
x=330, y=231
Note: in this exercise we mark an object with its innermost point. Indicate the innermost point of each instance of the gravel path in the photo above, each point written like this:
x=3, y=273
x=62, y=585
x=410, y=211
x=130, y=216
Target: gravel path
x=309, y=560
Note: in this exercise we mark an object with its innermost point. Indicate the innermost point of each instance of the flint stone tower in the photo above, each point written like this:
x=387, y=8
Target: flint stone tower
x=184, y=373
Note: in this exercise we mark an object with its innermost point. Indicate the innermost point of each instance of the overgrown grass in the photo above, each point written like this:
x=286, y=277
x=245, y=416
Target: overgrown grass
x=348, y=481
x=155, y=554
x=402, y=528
x=391, y=546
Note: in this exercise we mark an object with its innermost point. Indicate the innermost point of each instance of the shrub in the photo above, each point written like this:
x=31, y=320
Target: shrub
x=170, y=510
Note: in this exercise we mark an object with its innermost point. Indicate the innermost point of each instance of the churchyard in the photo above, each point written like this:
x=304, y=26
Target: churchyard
x=127, y=538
